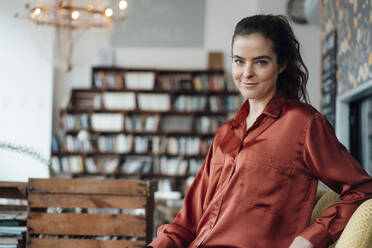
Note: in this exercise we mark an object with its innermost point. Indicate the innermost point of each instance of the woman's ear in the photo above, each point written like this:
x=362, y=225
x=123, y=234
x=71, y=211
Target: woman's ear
x=282, y=68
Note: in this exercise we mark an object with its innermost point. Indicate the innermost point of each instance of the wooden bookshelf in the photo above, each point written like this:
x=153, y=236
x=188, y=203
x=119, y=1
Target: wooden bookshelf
x=166, y=116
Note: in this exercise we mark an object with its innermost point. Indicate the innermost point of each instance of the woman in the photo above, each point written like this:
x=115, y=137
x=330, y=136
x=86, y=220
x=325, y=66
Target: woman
x=257, y=185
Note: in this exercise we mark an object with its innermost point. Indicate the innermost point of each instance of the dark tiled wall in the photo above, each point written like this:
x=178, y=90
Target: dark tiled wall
x=353, y=22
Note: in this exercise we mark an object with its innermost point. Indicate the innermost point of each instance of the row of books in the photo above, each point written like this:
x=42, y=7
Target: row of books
x=139, y=123
x=77, y=143
x=167, y=81
x=148, y=123
x=117, y=143
x=118, y=122
x=108, y=80
x=170, y=166
x=174, y=81
x=209, y=124
x=169, y=123
x=13, y=216
x=85, y=100
x=199, y=103
x=67, y=164
x=12, y=236
x=74, y=121
x=129, y=80
x=127, y=101
x=161, y=165
x=190, y=103
x=136, y=164
x=227, y=103
x=122, y=143
x=206, y=82
x=101, y=164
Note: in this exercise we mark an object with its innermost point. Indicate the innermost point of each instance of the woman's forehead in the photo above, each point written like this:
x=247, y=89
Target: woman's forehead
x=252, y=45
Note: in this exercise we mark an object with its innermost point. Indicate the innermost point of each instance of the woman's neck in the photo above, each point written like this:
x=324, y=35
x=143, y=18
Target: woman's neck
x=256, y=107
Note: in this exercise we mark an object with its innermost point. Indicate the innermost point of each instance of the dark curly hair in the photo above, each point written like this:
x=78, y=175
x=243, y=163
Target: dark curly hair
x=276, y=28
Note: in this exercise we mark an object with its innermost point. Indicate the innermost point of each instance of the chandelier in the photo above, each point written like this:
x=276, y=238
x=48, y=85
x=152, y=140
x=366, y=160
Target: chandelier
x=68, y=16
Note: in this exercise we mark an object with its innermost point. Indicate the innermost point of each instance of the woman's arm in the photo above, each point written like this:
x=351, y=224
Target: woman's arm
x=329, y=161
x=182, y=230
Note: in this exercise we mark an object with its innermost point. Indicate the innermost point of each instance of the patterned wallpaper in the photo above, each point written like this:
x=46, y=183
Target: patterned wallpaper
x=352, y=20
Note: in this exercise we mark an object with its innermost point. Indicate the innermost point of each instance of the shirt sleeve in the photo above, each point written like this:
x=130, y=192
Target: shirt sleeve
x=183, y=228
x=329, y=161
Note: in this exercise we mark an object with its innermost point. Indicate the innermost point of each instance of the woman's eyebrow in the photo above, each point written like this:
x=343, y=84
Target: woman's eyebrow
x=237, y=56
x=255, y=58
x=262, y=57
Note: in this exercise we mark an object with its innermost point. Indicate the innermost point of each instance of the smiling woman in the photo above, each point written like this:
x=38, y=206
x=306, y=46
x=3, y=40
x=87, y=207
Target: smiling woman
x=255, y=68
x=257, y=185
x=255, y=71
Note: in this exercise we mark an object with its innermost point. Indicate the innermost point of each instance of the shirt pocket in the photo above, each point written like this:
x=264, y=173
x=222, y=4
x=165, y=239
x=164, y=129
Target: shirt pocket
x=264, y=184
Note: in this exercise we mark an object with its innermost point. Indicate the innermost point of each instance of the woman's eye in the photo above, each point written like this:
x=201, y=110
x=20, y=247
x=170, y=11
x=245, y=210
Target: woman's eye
x=238, y=61
x=262, y=62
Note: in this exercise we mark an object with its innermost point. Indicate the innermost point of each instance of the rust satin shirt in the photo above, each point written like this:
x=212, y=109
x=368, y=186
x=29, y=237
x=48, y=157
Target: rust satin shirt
x=256, y=188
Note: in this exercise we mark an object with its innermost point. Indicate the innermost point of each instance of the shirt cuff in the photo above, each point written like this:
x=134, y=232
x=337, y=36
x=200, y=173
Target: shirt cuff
x=162, y=241
x=317, y=235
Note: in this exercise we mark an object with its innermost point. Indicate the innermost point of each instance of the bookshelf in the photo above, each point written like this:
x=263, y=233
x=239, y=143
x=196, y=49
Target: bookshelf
x=142, y=123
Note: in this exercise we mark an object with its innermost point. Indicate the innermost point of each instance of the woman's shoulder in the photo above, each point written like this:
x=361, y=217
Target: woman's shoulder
x=301, y=109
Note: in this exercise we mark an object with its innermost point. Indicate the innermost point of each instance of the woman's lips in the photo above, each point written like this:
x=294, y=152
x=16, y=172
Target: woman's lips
x=249, y=84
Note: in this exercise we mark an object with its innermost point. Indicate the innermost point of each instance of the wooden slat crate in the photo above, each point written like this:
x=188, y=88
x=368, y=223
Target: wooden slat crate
x=89, y=213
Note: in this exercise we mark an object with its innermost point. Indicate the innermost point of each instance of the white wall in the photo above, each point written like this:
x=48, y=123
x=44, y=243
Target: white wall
x=309, y=38
x=25, y=94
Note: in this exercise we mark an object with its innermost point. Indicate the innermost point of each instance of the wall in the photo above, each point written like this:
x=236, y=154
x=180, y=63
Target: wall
x=25, y=94
x=353, y=22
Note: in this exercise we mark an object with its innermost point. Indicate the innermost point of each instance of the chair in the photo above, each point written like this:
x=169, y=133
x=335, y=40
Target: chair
x=88, y=213
x=358, y=231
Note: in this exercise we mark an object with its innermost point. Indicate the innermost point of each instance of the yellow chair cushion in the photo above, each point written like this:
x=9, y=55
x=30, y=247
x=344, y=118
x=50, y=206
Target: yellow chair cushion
x=358, y=231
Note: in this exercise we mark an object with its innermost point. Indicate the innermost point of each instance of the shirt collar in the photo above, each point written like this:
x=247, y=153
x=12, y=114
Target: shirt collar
x=272, y=109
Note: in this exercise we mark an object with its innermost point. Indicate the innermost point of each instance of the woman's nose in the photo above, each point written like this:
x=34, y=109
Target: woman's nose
x=248, y=72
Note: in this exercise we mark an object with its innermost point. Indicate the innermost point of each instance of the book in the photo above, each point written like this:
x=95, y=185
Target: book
x=172, y=146
x=119, y=101
x=140, y=80
x=175, y=81
x=151, y=123
x=107, y=122
x=153, y=102
x=56, y=167
x=194, y=166
x=90, y=165
x=134, y=123
x=136, y=164
x=176, y=123
x=82, y=100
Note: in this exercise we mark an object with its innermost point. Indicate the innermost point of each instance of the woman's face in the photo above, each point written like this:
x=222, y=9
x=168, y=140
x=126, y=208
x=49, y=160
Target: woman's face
x=255, y=68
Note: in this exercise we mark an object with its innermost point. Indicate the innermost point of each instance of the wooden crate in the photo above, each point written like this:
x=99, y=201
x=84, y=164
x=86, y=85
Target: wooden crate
x=54, y=222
